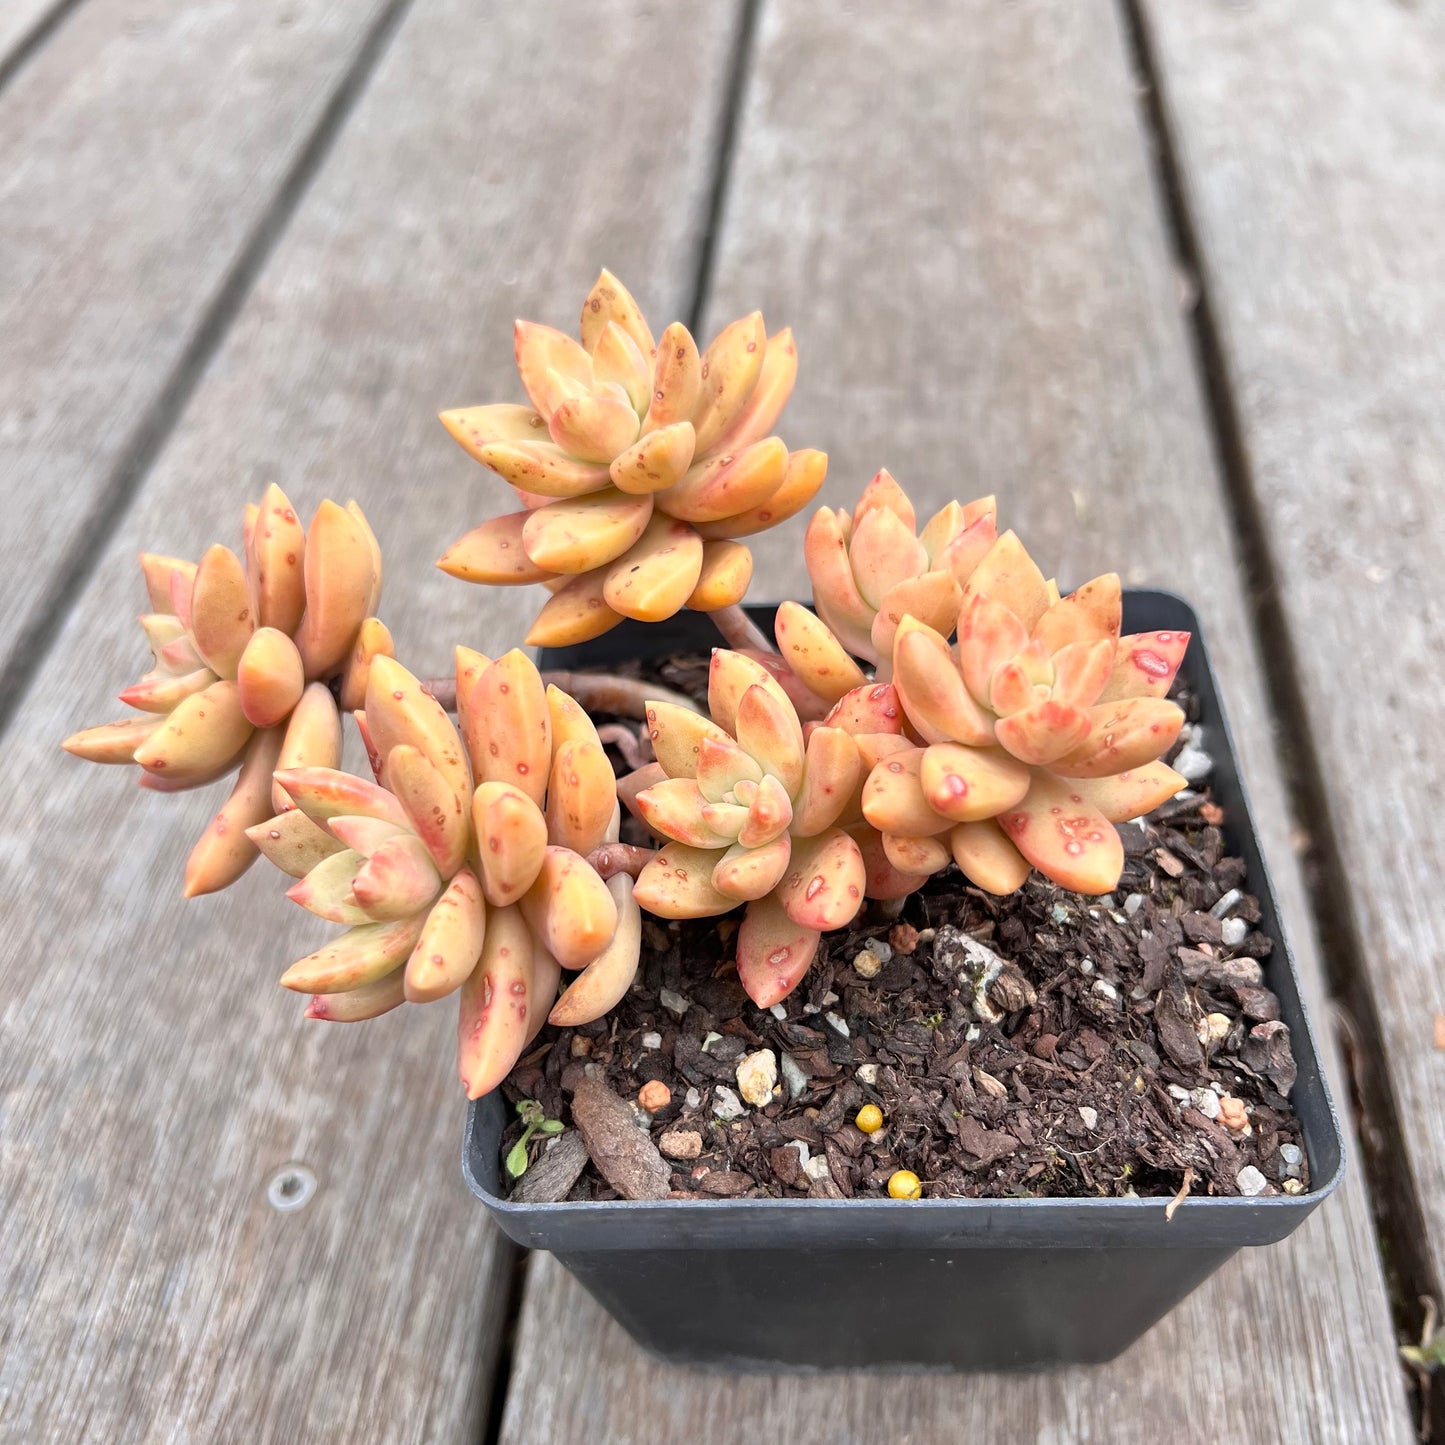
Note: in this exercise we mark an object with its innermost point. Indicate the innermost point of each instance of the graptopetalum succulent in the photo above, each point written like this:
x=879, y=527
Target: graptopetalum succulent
x=868, y=752
x=463, y=867
x=245, y=655
x=639, y=463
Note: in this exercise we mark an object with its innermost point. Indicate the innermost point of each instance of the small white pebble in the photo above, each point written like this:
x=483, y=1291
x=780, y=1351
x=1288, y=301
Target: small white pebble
x=1233, y=931
x=1175, y=1092
x=652, y=1041
x=1086, y=965
x=1089, y=1116
x=1059, y=913
x=1193, y=763
x=673, y=1002
x=867, y=1074
x=801, y=1147
x=838, y=1022
x=709, y=1041
x=811, y=1008
x=816, y=1168
x=794, y=1077
x=1226, y=903
x=829, y=998
x=1206, y=1101
x=778, y=1012
x=1291, y=1153
x=1251, y=1181
x=973, y=1034
x=1106, y=990
x=693, y=1098
x=726, y=1104
x=927, y=935
x=1133, y=903
x=1292, y=1186
x=1213, y=1029
x=758, y=1077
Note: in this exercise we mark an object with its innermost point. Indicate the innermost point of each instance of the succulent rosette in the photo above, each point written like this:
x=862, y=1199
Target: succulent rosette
x=871, y=569
x=462, y=868
x=1035, y=735
x=639, y=463
x=751, y=813
x=246, y=651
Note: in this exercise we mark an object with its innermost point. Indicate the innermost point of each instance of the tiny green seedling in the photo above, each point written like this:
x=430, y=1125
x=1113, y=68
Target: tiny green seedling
x=537, y=1122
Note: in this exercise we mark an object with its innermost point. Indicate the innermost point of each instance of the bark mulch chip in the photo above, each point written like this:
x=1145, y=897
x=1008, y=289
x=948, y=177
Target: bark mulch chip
x=1044, y=1044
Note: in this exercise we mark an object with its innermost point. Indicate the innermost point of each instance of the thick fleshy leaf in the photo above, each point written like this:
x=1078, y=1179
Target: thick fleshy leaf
x=511, y=841
x=323, y=793
x=205, y=732
x=940, y=529
x=768, y=730
x=873, y=748
x=806, y=471
x=475, y=427
x=731, y=367
x=585, y=532
x=916, y=856
x=1011, y=577
x=823, y=888
x=436, y=809
x=655, y=462
x=966, y=784
x=1125, y=734
x=359, y=956
x=835, y=589
x=773, y=952
x=293, y=842
x=965, y=551
x=631, y=784
x=224, y=851
x=882, y=879
x=222, y=620
x=677, y=883
x=581, y=797
x=570, y=909
x=722, y=581
x=883, y=552
x=1090, y=614
x=676, y=380
x=326, y=890
x=730, y=675
x=570, y=723
x=986, y=857
x=883, y=492
x=513, y=737
x=603, y=984
x=546, y=359
x=1065, y=837
x=372, y=641
x=770, y=811
x=1130, y=794
x=673, y=809
x=495, y=1004
x=774, y=386
x=275, y=557
x=1044, y=732
x=340, y=572
x=596, y=427
x=1014, y=690
x=161, y=692
x=721, y=766
x=989, y=636
x=657, y=576
x=161, y=629
x=677, y=733
x=400, y=710
x=832, y=771
x=542, y=468
x=158, y=571
x=872, y=708
x=931, y=689
x=493, y=555
x=365, y=835
x=894, y=800
x=546, y=977
x=727, y=820
x=746, y=873
x=618, y=361
x=368, y=1002
x=577, y=613
x=270, y=677
x=810, y=649
x=931, y=598
x=728, y=483
x=450, y=943
x=1145, y=664
x=1081, y=669
x=610, y=302
x=397, y=880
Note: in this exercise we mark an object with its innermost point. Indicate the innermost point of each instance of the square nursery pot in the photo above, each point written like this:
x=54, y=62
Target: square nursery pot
x=966, y=1284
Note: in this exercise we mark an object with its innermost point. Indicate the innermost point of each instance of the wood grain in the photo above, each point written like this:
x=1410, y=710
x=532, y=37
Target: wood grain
x=20, y=20
x=153, y=1077
x=143, y=143
x=1323, y=250
x=965, y=235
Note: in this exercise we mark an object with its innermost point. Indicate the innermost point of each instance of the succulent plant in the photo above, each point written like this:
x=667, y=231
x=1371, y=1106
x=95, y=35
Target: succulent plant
x=245, y=654
x=869, y=570
x=639, y=464
x=1039, y=732
x=463, y=866
x=751, y=814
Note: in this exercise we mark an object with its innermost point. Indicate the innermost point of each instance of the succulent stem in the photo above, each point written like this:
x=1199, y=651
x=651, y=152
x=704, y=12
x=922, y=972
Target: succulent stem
x=593, y=691
x=739, y=631
x=613, y=858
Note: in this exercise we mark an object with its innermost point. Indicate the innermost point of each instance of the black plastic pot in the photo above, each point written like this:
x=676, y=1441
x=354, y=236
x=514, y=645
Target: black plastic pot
x=964, y=1284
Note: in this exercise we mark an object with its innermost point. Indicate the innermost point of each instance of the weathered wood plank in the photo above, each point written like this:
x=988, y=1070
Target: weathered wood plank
x=1323, y=246
x=143, y=144
x=980, y=282
x=153, y=1076
x=21, y=22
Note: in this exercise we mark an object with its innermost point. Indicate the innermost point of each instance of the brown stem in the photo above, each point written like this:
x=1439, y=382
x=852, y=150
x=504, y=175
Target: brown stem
x=595, y=691
x=636, y=751
x=614, y=858
x=739, y=630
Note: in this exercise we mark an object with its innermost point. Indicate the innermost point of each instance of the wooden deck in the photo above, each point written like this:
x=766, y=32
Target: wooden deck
x=1170, y=278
